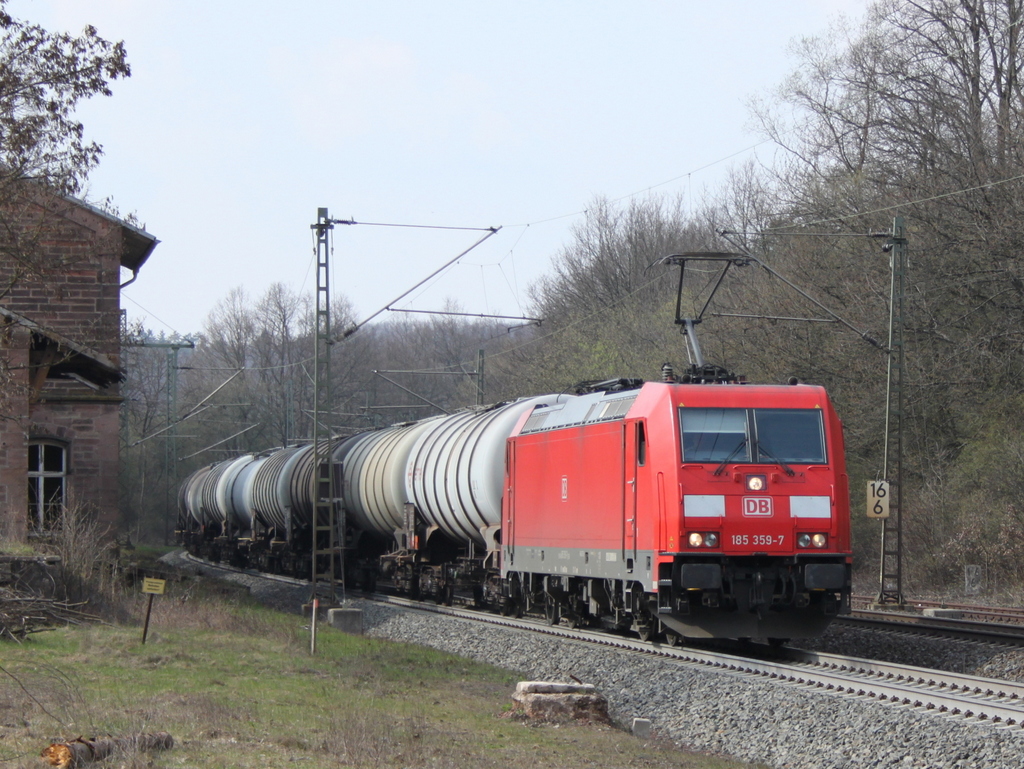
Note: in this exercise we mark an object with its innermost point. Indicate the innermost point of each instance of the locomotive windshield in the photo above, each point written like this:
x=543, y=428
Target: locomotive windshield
x=753, y=435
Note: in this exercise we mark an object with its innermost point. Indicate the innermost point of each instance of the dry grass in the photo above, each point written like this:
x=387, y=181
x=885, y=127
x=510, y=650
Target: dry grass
x=235, y=685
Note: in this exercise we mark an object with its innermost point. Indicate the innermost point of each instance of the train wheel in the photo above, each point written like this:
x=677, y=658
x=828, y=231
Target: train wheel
x=552, y=612
x=674, y=639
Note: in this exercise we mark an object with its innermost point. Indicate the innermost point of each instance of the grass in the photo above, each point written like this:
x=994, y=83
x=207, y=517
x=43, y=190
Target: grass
x=11, y=547
x=235, y=685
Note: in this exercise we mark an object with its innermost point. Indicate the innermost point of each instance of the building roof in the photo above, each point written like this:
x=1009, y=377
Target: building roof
x=74, y=360
x=138, y=244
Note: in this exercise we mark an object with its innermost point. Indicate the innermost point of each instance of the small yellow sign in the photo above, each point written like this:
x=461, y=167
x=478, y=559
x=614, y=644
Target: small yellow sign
x=154, y=586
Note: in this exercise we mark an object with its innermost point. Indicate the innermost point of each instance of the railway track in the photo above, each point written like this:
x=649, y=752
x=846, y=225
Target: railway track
x=1003, y=627
x=932, y=691
x=999, y=615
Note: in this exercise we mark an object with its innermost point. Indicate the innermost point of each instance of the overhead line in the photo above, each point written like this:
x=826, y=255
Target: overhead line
x=355, y=327
x=895, y=206
x=414, y=226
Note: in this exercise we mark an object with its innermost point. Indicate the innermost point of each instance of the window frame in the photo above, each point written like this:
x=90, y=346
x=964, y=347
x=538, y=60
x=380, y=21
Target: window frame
x=752, y=452
x=43, y=514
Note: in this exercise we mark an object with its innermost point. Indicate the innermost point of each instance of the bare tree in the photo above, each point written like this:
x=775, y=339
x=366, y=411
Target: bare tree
x=916, y=112
x=43, y=78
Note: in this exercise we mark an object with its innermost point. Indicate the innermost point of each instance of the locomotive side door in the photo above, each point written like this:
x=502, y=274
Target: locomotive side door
x=631, y=432
x=508, y=505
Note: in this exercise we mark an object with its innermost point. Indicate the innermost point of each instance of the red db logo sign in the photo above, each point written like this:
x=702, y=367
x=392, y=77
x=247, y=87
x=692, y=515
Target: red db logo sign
x=757, y=506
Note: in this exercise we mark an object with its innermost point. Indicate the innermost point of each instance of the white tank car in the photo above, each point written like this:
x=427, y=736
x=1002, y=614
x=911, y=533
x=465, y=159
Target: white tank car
x=216, y=494
x=456, y=469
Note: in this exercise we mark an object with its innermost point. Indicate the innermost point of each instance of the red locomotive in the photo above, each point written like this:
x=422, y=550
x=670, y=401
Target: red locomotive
x=700, y=510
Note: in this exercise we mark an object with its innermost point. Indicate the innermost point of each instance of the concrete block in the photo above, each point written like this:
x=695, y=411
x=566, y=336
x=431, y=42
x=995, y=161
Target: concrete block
x=943, y=613
x=346, y=620
x=642, y=728
x=553, y=687
x=552, y=701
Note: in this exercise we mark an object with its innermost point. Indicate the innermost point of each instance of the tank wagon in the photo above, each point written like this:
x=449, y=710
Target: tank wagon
x=689, y=510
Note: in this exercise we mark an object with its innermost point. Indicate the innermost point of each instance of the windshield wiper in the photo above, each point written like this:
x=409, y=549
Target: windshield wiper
x=762, y=450
x=729, y=458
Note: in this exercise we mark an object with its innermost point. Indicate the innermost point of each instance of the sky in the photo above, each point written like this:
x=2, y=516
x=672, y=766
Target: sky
x=241, y=120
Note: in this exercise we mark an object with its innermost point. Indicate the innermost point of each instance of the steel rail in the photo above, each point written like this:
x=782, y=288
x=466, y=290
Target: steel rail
x=967, y=630
x=1007, y=615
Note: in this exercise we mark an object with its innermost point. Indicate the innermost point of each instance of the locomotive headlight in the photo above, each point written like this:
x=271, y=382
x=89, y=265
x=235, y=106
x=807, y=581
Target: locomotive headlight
x=702, y=539
x=812, y=540
x=756, y=482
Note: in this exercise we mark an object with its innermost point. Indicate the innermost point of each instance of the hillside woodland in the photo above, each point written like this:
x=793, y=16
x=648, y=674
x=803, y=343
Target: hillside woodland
x=915, y=112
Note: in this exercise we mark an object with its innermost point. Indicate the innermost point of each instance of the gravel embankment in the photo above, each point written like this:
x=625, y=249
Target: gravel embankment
x=779, y=725
x=782, y=726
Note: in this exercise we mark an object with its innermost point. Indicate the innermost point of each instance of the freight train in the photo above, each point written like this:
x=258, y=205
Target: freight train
x=677, y=510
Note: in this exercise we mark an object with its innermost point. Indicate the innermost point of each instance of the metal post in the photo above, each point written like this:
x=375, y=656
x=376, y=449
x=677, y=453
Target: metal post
x=149, y=611
x=171, y=443
x=328, y=558
x=480, y=378
x=890, y=566
x=289, y=410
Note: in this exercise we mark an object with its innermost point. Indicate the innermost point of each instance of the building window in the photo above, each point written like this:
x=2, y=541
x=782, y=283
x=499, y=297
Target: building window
x=47, y=489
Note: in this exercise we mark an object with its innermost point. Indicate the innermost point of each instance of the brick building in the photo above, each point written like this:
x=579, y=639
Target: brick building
x=61, y=268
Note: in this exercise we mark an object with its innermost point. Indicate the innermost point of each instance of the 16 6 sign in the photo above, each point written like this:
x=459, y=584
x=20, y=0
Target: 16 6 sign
x=878, y=499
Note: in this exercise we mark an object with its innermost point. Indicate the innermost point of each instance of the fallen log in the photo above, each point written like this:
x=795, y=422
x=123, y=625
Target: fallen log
x=23, y=613
x=80, y=751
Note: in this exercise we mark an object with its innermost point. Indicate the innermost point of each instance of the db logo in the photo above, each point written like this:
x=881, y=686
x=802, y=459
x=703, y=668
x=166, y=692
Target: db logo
x=757, y=506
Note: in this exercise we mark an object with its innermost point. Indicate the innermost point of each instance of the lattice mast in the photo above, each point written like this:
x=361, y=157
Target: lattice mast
x=890, y=568
x=328, y=568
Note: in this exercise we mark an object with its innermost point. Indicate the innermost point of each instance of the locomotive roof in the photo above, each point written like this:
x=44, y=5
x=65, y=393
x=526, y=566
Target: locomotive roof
x=610, y=406
x=594, y=407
